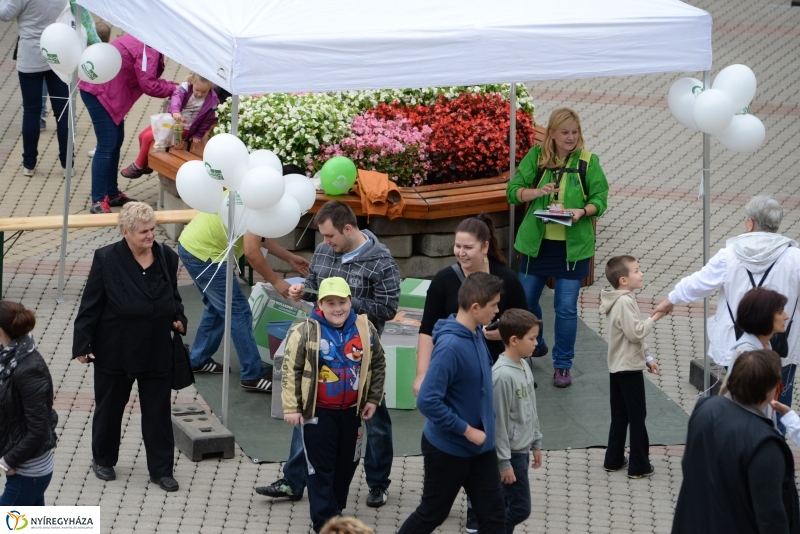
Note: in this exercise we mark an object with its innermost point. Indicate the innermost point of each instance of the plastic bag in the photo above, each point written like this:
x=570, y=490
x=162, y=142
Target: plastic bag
x=162, y=125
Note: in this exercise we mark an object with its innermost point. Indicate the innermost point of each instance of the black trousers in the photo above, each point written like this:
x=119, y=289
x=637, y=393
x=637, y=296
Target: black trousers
x=111, y=393
x=330, y=448
x=445, y=475
x=628, y=408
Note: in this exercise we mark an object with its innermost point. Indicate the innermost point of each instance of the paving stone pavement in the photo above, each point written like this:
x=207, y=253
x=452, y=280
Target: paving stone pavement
x=653, y=165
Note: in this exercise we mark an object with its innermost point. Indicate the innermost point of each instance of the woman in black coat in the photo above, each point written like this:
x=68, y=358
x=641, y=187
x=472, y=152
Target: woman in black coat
x=129, y=309
x=27, y=418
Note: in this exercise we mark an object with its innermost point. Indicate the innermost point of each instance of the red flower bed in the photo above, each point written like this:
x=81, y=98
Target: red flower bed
x=469, y=138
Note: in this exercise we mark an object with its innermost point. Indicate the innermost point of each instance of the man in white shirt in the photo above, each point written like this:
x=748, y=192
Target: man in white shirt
x=759, y=257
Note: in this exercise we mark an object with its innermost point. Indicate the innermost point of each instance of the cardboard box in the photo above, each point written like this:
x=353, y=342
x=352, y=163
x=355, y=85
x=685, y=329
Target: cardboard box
x=413, y=292
x=273, y=315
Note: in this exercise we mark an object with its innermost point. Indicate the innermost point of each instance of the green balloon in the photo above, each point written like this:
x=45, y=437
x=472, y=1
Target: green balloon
x=338, y=175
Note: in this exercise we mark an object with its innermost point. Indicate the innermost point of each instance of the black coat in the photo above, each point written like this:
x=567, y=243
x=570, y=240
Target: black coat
x=715, y=495
x=125, y=326
x=27, y=418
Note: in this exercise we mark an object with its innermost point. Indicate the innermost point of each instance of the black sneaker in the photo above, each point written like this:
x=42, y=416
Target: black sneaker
x=644, y=475
x=539, y=351
x=211, y=367
x=472, y=521
x=263, y=384
x=279, y=488
x=377, y=497
x=120, y=200
x=623, y=466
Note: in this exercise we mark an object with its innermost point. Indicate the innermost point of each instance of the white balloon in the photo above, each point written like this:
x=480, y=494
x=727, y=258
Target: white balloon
x=745, y=134
x=265, y=158
x=226, y=160
x=99, y=63
x=276, y=221
x=61, y=47
x=739, y=82
x=66, y=78
x=302, y=189
x=241, y=215
x=262, y=187
x=196, y=188
x=681, y=100
x=713, y=111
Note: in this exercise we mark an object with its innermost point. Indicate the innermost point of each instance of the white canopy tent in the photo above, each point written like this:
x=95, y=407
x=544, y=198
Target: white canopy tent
x=272, y=46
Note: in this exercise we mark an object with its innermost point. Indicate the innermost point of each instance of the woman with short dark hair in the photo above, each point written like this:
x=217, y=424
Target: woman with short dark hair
x=27, y=418
x=738, y=472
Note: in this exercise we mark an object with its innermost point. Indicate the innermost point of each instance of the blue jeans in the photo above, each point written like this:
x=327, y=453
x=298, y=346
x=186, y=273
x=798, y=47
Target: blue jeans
x=565, y=303
x=518, y=495
x=212, y=325
x=787, y=377
x=25, y=491
x=30, y=84
x=110, y=136
x=377, y=459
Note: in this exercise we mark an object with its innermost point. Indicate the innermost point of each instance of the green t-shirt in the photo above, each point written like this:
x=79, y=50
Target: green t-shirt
x=206, y=239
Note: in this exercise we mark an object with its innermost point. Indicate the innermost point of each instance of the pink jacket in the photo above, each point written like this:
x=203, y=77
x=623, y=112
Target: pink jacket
x=204, y=120
x=120, y=94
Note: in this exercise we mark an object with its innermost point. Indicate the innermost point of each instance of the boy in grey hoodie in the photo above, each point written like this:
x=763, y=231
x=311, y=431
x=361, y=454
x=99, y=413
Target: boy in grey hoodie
x=517, y=423
x=627, y=357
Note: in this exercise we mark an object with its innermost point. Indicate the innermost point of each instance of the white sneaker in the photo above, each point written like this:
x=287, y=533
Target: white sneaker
x=91, y=152
x=26, y=171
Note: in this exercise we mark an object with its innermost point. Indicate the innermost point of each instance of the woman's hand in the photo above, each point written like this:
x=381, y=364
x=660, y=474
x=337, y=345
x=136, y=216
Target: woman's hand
x=299, y=264
x=86, y=359
x=493, y=335
x=293, y=418
x=547, y=189
x=578, y=214
x=282, y=287
x=417, y=384
x=369, y=410
x=178, y=327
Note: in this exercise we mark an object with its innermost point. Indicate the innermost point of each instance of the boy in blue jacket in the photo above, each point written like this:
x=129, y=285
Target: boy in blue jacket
x=456, y=399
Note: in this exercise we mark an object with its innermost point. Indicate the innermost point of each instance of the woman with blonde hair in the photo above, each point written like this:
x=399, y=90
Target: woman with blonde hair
x=559, y=173
x=129, y=310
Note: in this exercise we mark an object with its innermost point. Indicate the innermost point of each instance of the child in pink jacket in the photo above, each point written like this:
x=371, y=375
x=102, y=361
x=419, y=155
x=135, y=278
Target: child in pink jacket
x=194, y=103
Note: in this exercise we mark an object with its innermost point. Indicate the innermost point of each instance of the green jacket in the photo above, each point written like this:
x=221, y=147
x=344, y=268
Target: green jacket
x=300, y=369
x=580, y=236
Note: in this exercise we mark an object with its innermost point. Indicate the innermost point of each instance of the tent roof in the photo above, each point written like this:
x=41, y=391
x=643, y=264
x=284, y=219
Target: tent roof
x=271, y=46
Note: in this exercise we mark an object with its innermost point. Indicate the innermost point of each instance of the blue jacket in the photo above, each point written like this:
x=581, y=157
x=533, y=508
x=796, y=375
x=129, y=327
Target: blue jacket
x=457, y=390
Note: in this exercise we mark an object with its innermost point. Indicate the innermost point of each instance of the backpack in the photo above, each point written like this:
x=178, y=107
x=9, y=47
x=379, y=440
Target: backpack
x=583, y=164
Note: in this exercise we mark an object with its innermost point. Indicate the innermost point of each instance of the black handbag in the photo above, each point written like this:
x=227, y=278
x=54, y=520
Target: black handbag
x=182, y=374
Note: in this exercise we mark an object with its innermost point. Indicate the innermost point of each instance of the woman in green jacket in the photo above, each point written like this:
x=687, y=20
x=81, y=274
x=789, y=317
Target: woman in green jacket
x=559, y=171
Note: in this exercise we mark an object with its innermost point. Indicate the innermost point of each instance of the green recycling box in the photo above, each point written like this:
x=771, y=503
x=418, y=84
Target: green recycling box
x=413, y=292
x=399, y=342
x=273, y=315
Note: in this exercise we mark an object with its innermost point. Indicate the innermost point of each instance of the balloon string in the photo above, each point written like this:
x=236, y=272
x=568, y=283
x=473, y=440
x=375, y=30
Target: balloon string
x=304, y=231
x=219, y=257
x=69, y=103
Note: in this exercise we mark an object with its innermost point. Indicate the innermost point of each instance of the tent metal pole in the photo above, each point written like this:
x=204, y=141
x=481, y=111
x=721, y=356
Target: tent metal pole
x=226, y=340
x=68, y=171
x=706, y=240
x=512, y=157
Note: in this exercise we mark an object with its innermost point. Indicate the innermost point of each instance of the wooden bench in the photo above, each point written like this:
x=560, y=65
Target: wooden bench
x=18, y=225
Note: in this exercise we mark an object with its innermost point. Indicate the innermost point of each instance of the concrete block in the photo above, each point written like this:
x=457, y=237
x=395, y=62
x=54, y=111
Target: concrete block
x=169, y=199
x=422, y=266
x=198, y=434
x=401, y=246
x=383, y=226
x=298, y=239
x=696, y=376
x=438, y=245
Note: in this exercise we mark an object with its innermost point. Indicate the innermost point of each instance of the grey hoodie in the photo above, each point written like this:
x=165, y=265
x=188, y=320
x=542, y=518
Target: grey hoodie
x=517, y=423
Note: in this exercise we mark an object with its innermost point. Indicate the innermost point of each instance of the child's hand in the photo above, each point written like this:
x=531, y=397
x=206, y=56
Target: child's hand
x=296, y=291
x=652, y=367
x=780, y=407
x=478, y=437
x=657, y=315
x=369, y=410
x=176, y=116
x=196, y=140
x=536, y=463
x=507, y=476
x=293, y=419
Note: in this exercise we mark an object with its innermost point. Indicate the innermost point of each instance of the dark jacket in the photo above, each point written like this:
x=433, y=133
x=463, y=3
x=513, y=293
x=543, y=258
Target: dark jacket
x=442, y=299
x=27, y=418
x=457, y=390
x=119, y=321
x=715, y=495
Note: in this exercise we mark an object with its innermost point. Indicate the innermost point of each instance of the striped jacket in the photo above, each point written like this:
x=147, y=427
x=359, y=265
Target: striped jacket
x=300, y=370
